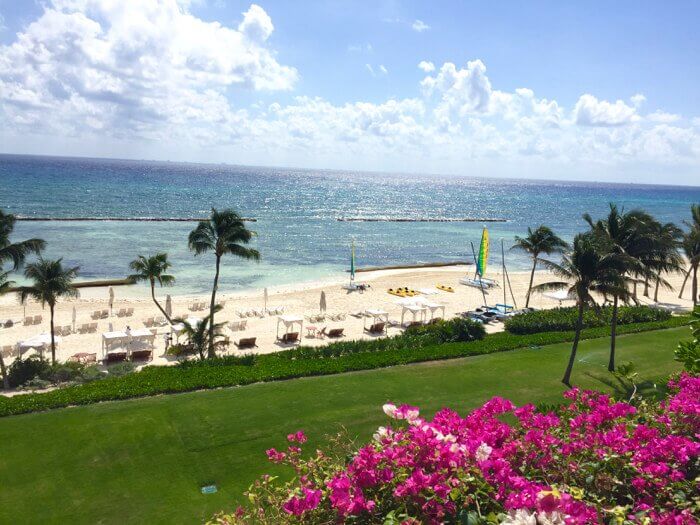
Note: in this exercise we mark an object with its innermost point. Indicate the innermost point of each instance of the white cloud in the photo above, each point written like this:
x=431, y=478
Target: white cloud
x=589, y=111
x=131, y=65
x=419, y=26
x=370, y=69
x=662, y=116
x=383, y=69
x=426, y=67
x=637, y=100
x=360, y=48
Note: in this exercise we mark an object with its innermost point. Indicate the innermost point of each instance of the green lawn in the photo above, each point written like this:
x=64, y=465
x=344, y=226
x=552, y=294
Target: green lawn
x=143, y=461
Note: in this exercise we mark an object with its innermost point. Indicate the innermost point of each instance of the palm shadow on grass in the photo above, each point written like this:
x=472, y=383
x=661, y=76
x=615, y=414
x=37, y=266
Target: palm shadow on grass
x=623, y=388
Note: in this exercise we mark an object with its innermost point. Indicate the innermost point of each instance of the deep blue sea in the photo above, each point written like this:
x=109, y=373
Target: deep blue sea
x=299, y=235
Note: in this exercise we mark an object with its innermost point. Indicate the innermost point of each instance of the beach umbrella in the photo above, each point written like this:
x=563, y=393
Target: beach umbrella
x=73, y=317
x=168, y=305
x=322, y=306
x=111, y=299
x=265, y=297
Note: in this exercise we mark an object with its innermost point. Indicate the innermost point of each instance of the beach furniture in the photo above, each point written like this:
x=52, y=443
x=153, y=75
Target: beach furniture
x=129, y=312
x=160, y=321
x=149, y=322
x=115, y=357
x=141, y=355
x=246, y=342
x=28, y=321
x=8, y=323
x=104, y=314
x=333, y=332
x=121, y=312
x=238, y=326
x=7, y=351
x=92, y=328
x=83, y=357
x=290, y=338
x=37, y=319
x=66, y=330
x=312, y=331
x=376, y=328
x=84, y=328
x=378, y=320
x=95, y=315
x=290, y=323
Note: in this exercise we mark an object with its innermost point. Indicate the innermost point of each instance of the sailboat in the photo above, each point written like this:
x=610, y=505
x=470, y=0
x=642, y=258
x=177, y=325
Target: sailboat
x=352, y=285
x=479, y=281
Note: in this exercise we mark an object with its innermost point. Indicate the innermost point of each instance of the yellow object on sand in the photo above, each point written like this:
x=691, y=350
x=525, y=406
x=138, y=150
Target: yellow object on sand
x=445, y=288
x=402, y=292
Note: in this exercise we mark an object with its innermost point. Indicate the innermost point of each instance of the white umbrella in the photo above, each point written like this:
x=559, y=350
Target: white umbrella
x=168, y=305
x=74, y=316
x=265, y=297
x=322, y=306
x=111, y=299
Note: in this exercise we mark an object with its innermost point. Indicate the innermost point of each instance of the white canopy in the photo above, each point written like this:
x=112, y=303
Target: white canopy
x=376, y=315
x=289, y=321
x=38, y=341
x=559, y=295
x=415, y=310
x=126, y=339
x=176, y=329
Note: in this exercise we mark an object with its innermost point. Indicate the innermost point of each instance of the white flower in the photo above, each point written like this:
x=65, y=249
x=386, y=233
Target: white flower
x=381, y=433
x=520, y=517
x=483, y=452
x=390, y=410
x=553, y=518
x=412, y=414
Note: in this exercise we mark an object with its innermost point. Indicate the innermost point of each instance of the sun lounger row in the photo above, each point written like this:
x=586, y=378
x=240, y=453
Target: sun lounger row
x=253, y=312
x=29, y=321
x=316, y=318
x=99, y=314
x=134, y=355
x=125, y=312
x=197, y=307
x=155, y=321
x=238, y=326
x=64, y=330
x=87, y=328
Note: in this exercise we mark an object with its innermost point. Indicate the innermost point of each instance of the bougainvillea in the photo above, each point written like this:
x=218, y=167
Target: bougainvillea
x=593, y=460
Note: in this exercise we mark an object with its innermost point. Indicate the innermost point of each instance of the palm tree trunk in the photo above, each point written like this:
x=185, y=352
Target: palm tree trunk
x=5, y=379
x=685, y=280
x=572, y=358
x=153, y=295
x=646, y=286
x=613, y=330
x=656, y=289
x=532, y=278
x=53, y=338
x=212, y=353
x=695, y=285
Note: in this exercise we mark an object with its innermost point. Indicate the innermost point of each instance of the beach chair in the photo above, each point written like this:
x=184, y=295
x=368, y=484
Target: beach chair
x=290, y=338
x=141, y=355
x=115, y=357
x=121, y=312
x=7, y=351
x=246, y=342
x=376, y=328
x=92, y=328
x=83, y=328
x=129, y=312
x=149, y=322
x=334, y=332
x=8, y=323
x=160, y=321
x=37, y=319
x=234, y=326
x=95, y=315
x=66, y=330
x=104, y=314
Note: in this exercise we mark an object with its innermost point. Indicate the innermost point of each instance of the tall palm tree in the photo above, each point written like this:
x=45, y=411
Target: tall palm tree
x=540, y=241
x=691, y=249
x=588, y=268
x=198, y=334
x=223, y=233
x=629, y=235
x=18, y=251
x=15, y=253
x=666, y=255
x=51, y=282
x=151, y=270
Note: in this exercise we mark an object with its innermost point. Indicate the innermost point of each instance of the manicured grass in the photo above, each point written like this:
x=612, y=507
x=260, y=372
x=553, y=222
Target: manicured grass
x=144, y=460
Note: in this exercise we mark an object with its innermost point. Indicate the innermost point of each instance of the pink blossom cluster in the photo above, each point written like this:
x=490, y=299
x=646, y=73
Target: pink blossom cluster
x=593, y=460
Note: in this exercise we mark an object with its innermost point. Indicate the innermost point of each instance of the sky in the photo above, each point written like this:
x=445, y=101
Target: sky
x=603, y=91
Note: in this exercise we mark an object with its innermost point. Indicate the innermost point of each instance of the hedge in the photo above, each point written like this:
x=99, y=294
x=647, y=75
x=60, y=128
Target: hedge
x=563, y=319
x=302, y=362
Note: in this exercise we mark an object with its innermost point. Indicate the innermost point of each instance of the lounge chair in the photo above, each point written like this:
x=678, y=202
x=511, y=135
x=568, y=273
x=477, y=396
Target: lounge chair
x=8, y=323
x=7, y=351
x=115, y=357
x=290, y=338
x=95, y=315
x=333, y=332
x=377, y=328
x=129, y=312
x=104, y=314
x=160, y=321
x=141, y=355
x=246, y=342
x=413, y=324
x=92, y=328
x=148, y=323
x=121, y=312
x=37, y=319
x=83, y=328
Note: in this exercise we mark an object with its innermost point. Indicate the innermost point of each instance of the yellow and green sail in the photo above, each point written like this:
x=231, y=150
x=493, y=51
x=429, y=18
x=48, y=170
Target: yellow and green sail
x=483, y=257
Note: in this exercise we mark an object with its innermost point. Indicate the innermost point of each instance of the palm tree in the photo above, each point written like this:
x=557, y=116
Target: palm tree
x=200, y=334
x=223, y=233
x=152, y=269
x=588, y=268
x=535, y=243
x=15, y=253
x=51, y=282
x=691, y=249
x=628, y=235
x=667, y=258
x=18, y=251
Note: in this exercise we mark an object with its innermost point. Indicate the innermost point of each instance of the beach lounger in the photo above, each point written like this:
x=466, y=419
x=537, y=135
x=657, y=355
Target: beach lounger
x=141, y=355
x=377, y=328
x=83, y=328
x=37, y=319
x=149, y=322
x=7, y=351
x=333, y=332
x=129, y=312
x=92, y=328
x=413, y=324
x=160, y=321
x=121, y=312
x=83, y=357
x=95, y=315
x=8, y=323
x=290, y=338
x=115, y=357
x=246, y=342
x=104, y=314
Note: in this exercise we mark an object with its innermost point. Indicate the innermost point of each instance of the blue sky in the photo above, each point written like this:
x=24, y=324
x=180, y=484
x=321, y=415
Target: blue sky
x=562, y=90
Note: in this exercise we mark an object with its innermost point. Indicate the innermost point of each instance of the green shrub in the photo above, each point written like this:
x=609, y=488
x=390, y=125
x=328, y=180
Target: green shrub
x=64, y=372
x=336, y=358
x=688, y=352
x=560, y=319
x=91, y=373
x=121, y=369
x=35, y=383
x=23, y=370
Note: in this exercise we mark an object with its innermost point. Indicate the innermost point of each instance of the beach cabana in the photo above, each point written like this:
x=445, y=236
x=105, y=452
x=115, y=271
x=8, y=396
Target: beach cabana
x=289, y=322
x=114, y=338
x=377, y=316
x=559, y=295
x=39, y=342
x=416, y=310
x=176, y=329
x=434, y=307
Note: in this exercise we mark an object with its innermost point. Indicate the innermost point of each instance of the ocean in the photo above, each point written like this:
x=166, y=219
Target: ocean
x=296, y=212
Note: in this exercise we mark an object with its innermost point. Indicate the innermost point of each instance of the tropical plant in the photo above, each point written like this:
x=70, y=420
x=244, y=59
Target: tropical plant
x=666, y=255
x=51, y=282
x=688, y=352
x=151, y=270
x=223, y=233
x=540, y=241
x=15, y=253
x=691, y=249
x=590, y=267
x=200, y=335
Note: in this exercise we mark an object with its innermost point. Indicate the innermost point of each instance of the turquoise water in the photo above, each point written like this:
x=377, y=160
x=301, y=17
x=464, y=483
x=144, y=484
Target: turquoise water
x=296, y=210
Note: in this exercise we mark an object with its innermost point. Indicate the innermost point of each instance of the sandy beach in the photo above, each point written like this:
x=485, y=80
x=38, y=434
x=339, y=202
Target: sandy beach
x=300, y=300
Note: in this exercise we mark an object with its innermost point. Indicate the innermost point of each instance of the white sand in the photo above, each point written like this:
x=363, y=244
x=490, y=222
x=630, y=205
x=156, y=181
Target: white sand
x=301, y=299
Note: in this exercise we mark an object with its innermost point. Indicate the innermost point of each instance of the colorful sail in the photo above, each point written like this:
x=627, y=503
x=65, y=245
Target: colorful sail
x=483, y=257
x=352, y=261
